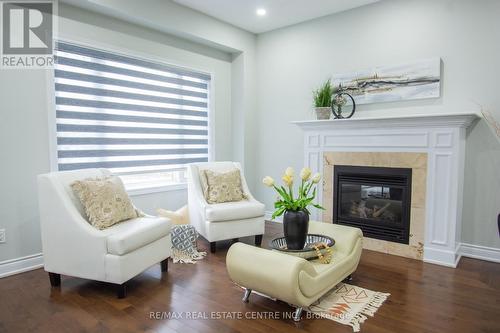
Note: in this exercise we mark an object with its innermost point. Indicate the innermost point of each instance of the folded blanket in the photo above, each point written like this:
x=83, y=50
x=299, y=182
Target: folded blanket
x=184, y=249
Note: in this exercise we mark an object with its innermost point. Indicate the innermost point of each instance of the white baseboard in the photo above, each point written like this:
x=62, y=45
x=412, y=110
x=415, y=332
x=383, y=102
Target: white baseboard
x=268, y=216
x=441, y=257
x=480, y=252
x=20, y=265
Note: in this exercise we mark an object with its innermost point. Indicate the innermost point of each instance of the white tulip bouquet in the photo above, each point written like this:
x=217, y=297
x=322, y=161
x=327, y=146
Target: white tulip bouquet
x=287, y=201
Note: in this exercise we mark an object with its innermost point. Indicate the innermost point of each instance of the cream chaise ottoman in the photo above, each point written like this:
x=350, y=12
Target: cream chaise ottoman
x=292, y=279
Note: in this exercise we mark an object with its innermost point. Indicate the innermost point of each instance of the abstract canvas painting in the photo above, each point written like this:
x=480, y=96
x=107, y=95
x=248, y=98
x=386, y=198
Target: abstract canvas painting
x=416, y=80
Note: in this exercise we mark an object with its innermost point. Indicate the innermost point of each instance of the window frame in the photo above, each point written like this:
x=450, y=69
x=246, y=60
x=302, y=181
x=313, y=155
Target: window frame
x=52, y=118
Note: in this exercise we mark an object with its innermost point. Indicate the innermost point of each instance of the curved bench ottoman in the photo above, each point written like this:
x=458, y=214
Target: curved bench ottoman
x=293, y=279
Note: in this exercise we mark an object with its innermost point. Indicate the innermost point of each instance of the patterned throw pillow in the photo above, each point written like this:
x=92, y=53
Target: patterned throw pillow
x=224, y=187
x=105, y=201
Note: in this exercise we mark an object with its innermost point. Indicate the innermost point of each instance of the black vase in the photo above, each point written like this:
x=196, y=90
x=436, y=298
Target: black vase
x=295, y=227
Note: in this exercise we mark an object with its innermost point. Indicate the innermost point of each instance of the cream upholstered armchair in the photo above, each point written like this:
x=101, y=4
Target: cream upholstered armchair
x=71, y=246
x=222, y=221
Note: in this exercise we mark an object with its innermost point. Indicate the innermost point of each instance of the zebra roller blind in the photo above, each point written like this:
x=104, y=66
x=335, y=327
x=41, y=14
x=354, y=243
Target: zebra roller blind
x=141, y=119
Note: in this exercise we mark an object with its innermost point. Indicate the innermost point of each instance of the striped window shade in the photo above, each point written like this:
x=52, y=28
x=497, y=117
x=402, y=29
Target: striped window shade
x=140, y=119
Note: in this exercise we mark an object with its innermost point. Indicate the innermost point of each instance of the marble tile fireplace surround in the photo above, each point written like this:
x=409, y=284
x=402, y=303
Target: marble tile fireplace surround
x=432, y=146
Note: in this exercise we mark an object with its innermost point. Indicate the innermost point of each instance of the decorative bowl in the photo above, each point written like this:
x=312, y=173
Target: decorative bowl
x=308, y=252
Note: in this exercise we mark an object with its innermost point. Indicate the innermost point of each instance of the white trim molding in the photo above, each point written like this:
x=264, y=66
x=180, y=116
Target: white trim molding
x=440, y=136
x=480, y=252
x=461, y=120
x=156, y=189
x=20, y=265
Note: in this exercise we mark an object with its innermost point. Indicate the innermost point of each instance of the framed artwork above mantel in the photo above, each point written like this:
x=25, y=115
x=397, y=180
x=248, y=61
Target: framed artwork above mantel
x=416, y=80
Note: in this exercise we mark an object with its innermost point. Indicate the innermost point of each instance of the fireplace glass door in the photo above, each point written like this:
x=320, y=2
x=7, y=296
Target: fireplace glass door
x=377, y=200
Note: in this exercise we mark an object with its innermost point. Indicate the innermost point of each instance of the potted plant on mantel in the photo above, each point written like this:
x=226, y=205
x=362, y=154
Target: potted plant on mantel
x=323, y=100
x=295, y=209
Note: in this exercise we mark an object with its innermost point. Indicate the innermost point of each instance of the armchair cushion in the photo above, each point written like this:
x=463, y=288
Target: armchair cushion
x=133, y=234
x=239, y=210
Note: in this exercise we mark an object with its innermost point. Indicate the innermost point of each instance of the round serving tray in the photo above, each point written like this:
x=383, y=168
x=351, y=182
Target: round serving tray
x=308, y=252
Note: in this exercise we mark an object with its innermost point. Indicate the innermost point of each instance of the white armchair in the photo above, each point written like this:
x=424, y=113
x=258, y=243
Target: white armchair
x=71, y=246
x=229, y=220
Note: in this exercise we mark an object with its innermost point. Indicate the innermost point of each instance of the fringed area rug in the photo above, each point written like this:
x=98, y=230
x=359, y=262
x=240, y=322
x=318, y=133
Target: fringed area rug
x=184, y=249
x=348, y=305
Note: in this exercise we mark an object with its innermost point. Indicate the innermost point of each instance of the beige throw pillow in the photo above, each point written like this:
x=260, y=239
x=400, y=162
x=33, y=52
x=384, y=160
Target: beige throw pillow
x=105, y=201
x=180, y=216
x=224, y=187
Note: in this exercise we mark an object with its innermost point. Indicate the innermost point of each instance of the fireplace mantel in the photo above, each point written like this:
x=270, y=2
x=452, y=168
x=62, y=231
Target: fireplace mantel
x=412, y=121
x=440, y=136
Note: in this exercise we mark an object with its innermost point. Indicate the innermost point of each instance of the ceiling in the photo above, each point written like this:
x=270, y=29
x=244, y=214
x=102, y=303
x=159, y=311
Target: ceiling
x=280, y=13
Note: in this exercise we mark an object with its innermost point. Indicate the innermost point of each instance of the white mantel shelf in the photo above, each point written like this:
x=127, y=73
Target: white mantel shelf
x=463, y=120
x=440, y=136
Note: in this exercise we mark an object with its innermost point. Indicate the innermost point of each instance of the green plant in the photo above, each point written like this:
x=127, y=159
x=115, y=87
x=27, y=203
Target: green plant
x=287, y=201
x=323, y=95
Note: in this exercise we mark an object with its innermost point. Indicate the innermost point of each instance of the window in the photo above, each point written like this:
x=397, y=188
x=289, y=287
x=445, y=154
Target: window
x=140, y=119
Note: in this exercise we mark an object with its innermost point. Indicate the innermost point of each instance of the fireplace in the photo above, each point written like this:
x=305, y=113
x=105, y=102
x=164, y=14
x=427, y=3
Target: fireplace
x=375, y=199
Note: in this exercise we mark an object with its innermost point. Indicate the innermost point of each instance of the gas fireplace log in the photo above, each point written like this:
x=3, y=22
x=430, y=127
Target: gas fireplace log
x=377, y=213
x=359, y=209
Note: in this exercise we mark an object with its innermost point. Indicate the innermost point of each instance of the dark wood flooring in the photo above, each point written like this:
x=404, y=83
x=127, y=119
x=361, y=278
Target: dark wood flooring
x=424, y=298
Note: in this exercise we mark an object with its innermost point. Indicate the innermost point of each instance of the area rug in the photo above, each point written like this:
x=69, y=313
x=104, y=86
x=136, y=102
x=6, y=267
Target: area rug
x=348, y=305
x=184, y=249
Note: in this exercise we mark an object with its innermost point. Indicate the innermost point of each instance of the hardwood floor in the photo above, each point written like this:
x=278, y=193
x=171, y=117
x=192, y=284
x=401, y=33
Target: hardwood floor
x=424, y=298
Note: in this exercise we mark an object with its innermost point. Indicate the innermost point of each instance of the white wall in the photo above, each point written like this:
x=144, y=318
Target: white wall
x=24, y=133
x=24, y=148
x=293, y=61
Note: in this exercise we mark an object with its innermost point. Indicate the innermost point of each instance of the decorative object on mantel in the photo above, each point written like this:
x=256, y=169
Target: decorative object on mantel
x=296, y=213
x=338, y=102
x=323, y=100
x=417, y=80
